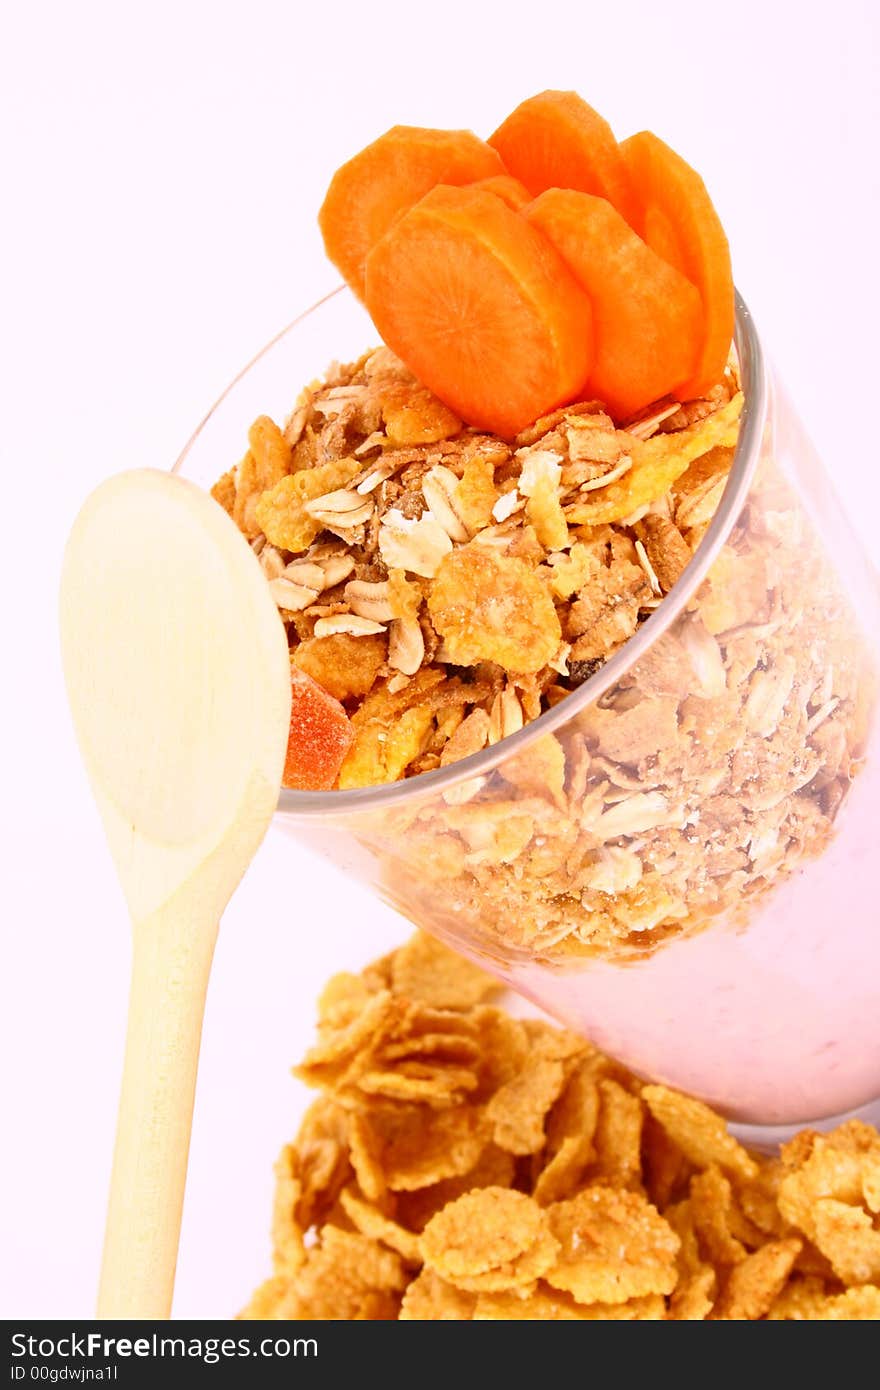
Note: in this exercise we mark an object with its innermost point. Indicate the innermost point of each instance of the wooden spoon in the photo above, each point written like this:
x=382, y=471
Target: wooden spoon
x=178, y=677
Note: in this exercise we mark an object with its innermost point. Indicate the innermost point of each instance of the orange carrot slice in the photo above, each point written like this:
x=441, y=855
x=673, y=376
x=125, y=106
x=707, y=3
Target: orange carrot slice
x=647, y=317
x=371, y=190
x=320, y=736
x=555, y=140
x=507, y=188
x=481, y=308
x=676, y=218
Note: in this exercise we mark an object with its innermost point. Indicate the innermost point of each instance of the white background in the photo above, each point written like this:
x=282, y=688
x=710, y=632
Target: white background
x=162, y=165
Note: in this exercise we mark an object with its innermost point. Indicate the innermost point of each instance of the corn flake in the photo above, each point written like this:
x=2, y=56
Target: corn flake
x=539, y=483
x=657, y=464
x=466, y=1165
x=712, y=1204
x=344, y=665
x=476, y=493
x=223, y=491
x=366, y=1157
x=818, y=1166
x=539, y=770
x=488, y=1240
x=288, y=1248
x=381, y=753
x=347, y=1277
x=430, y=1299
x=426, y=970
x=494, y=1168
x=372, y=1222
x=847, y=1237
x=618, y=1137
x=517, y=1109
x=280, y=512
x=324, y=1167
x=614, y=1247
x=420, y=1149
x=551, y=1305
x=754, y=1284
x=699, y=1133
x=413, y=415
x=491, y=607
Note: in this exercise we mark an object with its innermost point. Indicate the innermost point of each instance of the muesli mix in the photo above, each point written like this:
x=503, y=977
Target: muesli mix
x=443, y=587
x=463, y=1164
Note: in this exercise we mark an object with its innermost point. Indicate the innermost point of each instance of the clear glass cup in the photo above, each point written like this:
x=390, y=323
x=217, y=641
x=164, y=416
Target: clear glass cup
x=677, y=859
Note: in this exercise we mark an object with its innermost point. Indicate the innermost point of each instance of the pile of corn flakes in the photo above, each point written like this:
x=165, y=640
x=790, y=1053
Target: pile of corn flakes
x=463, y=1164
x=449, y=587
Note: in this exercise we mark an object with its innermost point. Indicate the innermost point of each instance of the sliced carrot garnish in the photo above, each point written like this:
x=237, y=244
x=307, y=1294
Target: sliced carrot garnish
x=555, y=140
x=647, y=317
x=507, y=188
x=481, y=308
x=676, y=218
x=370, y=191
x=320, y=736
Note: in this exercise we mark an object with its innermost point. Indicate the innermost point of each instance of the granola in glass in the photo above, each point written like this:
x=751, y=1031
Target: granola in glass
x=447, y=587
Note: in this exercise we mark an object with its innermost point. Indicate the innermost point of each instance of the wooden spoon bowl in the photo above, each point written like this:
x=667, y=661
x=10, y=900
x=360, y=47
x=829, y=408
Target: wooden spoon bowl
x=178, y=677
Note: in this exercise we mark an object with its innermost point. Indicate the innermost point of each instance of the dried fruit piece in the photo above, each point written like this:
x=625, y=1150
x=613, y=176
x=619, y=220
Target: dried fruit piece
x=490, y=607
x=320, y=736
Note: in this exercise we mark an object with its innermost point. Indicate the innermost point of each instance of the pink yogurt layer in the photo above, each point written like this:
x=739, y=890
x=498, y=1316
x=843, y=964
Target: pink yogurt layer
x=774, y=1023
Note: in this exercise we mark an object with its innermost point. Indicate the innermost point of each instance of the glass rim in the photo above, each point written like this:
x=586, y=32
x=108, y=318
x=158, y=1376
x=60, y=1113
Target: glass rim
x=753, y=376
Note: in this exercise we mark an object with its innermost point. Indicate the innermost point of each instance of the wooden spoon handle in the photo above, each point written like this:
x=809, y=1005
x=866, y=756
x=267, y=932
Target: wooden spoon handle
x=169, y=981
